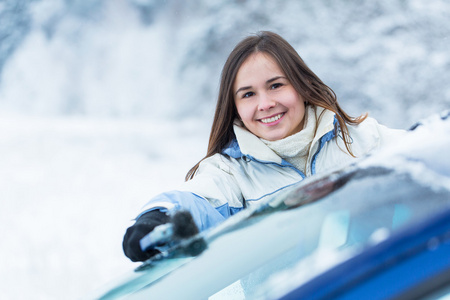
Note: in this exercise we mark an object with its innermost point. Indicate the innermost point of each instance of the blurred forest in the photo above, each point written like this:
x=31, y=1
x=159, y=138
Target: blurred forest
x=162, y=59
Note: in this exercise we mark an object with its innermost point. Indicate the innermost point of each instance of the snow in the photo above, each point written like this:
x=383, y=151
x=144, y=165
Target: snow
x=69, y=188
x=420, y=153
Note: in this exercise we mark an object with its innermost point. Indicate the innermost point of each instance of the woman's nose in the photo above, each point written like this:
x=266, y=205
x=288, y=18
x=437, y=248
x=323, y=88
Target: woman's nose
x=266, y=102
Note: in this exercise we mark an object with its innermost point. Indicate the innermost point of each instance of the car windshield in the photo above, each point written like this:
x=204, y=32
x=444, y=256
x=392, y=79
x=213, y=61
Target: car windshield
x=361, y=208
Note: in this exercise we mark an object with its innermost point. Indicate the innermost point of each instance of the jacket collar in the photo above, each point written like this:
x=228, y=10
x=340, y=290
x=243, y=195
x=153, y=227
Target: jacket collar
x=247, y=144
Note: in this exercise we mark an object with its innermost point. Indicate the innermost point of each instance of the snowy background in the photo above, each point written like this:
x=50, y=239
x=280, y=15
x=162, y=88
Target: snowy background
x=103, y=104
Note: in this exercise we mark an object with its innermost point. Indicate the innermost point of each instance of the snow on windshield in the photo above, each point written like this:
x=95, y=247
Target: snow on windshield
x=422, y=153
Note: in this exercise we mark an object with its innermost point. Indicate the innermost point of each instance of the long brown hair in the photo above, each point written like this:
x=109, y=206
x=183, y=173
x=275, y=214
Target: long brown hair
x=305, y=82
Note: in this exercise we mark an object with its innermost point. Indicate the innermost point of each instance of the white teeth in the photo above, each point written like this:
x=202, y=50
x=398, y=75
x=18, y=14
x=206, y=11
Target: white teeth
x=273, y=119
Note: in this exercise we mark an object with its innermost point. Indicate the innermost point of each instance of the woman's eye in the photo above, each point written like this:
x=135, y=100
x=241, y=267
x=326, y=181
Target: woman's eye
x=276, y=85
x=248, y=94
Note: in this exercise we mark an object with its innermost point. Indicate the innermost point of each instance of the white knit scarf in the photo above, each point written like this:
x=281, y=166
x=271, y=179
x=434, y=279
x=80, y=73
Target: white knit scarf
x=295, y=148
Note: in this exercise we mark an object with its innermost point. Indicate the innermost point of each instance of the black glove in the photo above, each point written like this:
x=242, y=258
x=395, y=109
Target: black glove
x=145, y=224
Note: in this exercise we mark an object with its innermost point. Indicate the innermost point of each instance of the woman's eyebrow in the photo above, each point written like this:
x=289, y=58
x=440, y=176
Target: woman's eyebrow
x=274, y=79
x=242, y=89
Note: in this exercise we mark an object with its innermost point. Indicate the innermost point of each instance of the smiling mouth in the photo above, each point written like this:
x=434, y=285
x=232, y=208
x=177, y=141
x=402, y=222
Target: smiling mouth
x=272, y=119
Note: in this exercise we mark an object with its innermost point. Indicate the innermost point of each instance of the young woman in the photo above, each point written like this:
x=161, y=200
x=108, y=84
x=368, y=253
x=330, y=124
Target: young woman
x=275, y=123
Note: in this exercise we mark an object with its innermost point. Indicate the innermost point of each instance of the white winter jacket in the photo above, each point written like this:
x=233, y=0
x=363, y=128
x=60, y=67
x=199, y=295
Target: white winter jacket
x=247, y=170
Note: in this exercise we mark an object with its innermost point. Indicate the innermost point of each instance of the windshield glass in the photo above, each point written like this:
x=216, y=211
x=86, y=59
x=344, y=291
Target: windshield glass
x=361, y=208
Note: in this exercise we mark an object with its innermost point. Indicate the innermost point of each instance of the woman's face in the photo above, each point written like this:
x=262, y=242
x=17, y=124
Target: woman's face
x=266, y=101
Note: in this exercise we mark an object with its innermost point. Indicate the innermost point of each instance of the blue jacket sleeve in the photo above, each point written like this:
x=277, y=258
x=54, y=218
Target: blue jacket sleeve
x=204, y=214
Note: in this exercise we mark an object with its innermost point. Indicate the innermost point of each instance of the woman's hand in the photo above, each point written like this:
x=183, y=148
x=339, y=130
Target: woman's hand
x=144, y=224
